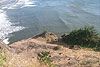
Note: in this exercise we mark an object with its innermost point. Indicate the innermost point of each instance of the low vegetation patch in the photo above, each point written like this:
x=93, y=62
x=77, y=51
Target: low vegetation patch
x=52, y=40
x=3, y=58
x=57, y=47
x=45, y=31
x=44, y=58
x=86, y=37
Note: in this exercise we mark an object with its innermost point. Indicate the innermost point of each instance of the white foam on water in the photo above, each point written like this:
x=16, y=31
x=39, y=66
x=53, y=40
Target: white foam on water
x=7, y=27
x=2, y=1
x=5, y=4
x=23, y=4
x=6, y=41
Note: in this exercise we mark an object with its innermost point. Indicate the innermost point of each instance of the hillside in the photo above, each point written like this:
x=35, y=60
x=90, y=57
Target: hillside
x=24, y=53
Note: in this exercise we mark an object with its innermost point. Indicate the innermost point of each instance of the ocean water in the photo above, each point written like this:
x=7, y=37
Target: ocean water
x=21, y=19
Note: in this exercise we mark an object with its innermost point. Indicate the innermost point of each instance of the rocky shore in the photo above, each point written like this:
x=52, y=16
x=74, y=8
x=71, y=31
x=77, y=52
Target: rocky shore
x=24, y=53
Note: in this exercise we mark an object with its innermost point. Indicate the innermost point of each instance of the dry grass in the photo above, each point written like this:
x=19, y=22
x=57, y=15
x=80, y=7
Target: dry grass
x=14, y=60
x=62, y=57
x=26, y=52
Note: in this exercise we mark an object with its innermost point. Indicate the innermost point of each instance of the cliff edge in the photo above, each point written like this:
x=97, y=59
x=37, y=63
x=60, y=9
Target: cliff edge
x=26, y=53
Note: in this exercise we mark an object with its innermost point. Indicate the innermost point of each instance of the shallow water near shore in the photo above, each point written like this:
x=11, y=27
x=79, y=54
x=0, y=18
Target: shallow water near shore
x=25, y=18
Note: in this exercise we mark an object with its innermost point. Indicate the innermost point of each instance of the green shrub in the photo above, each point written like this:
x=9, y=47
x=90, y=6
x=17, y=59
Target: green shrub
x=86, y=37
x=52, y=34
x=44, y=58
x=97, y=49
x=52, y=40
x=45, y=31
x=57, y=47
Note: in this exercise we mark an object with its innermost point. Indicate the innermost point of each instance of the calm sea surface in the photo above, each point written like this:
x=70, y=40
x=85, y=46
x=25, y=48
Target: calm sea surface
x=20, y=19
